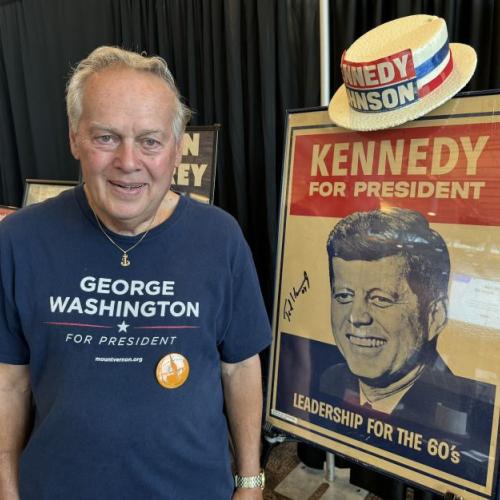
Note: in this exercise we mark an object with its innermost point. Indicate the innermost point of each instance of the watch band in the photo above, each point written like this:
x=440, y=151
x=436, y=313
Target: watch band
x=250, y=481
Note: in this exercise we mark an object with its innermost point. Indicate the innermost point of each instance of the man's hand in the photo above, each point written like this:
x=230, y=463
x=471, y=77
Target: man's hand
x=242, y=384
x=248, y=494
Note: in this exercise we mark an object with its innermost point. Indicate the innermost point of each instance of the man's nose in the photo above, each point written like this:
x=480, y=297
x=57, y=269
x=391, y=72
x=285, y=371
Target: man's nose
x=126, y=156
x=360, y=314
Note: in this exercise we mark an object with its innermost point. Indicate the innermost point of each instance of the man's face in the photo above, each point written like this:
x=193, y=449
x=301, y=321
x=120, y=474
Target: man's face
x=126, y=146
x=375, y=317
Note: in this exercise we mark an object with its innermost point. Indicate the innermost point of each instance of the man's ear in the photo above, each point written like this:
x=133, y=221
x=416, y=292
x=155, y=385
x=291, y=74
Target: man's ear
x=73, y=142
x=438, y=317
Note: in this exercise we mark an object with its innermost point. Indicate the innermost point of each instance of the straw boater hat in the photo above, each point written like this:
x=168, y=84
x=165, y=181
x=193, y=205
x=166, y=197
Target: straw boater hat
x=399, y=71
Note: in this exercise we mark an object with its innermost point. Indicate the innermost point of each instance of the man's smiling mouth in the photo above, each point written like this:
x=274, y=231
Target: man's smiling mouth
x=129, y=187
x=362, y=341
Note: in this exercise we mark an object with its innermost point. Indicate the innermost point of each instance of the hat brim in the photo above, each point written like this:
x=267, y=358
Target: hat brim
x=464, y=64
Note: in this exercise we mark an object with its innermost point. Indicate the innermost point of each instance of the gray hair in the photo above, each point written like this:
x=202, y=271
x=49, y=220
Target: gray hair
x=105, y=57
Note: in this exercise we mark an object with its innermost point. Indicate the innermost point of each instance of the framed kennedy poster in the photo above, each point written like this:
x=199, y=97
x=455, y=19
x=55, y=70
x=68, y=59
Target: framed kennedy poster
x=195, y=176
x=386, y=322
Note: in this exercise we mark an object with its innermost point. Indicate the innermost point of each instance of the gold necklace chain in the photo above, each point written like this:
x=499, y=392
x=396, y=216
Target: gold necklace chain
x=125, y=261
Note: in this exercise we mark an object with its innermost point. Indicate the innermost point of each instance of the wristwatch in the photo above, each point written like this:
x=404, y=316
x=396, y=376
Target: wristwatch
x=250, y=481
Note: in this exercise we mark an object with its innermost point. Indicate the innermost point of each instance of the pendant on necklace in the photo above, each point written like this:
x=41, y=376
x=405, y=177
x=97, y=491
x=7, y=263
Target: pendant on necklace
x=125, y=262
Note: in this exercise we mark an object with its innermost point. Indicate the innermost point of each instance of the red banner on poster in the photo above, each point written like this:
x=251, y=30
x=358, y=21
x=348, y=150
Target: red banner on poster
x=416, y=168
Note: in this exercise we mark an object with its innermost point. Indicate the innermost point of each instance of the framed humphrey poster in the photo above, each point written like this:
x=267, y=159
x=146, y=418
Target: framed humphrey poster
x=195, y=176
x=386, y=320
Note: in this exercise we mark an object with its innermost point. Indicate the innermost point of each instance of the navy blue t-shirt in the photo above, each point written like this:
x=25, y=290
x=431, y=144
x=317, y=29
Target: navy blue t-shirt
x=99, y=338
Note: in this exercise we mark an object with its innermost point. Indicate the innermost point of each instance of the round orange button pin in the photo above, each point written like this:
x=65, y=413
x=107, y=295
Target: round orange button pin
x=172, y=370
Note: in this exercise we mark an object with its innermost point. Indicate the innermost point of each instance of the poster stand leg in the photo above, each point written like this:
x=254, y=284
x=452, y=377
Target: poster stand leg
x=330, y=467
x=452, y=496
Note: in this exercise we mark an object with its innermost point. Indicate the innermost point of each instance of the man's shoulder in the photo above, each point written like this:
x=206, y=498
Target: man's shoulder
x=444, y=393
x=441, y=377
x=453, y=404
x=208, y=210
x=337, y=379
x=211, y=221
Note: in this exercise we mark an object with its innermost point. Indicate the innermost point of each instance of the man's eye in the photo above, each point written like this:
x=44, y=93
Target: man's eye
x=150, y=143
x=105, y=139
x=343, y=297
x=381, y=301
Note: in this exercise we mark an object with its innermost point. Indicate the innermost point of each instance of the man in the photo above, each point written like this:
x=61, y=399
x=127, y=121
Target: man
x=389, y=274
x=130, y=314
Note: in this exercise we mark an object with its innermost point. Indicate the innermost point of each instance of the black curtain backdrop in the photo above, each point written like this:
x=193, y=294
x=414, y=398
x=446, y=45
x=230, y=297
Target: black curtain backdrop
x=240, y=63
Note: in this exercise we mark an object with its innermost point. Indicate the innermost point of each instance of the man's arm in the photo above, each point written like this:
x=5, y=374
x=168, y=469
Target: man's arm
x=243, y=395
x=15, y=404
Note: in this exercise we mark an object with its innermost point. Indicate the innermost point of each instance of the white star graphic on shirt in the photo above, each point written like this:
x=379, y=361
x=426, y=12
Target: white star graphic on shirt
x=122, y=327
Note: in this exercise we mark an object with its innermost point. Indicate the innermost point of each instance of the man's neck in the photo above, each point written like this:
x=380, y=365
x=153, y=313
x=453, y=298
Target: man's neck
x=131, y=228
